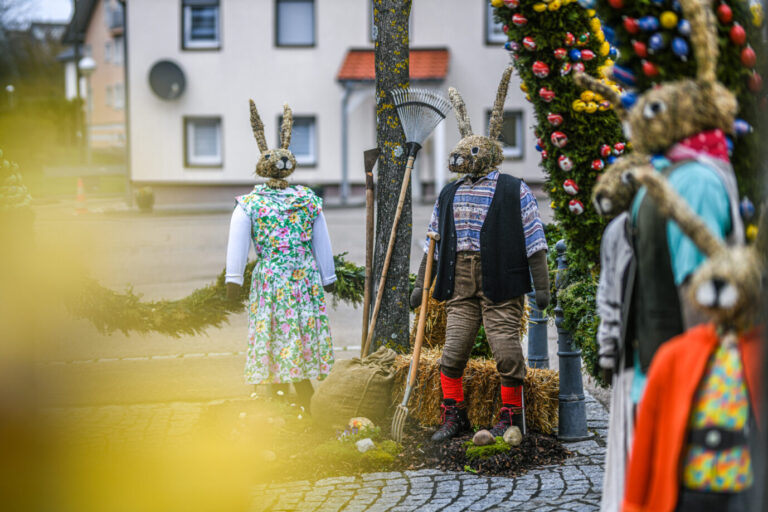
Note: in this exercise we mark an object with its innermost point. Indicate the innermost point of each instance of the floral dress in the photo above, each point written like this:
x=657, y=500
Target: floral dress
x=289, y=338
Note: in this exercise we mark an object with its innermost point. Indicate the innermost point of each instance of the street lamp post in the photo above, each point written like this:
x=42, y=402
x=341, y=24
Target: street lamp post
x=87, y=66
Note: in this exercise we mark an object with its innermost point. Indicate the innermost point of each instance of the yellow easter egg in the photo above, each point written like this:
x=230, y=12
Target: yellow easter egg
x=751, y=232
x=594, y=24
x=540, y=7
x=757, y=14
x=528, y=97
x=599, y=98
x=668, y=19
x=591, y=13
x=587, y=96
x=591, y=107
x=608, y=62
x=523, y=87
x=497, y=3
x=604, y=105
x=605, y=48
x=578, y=105
x=554, y=5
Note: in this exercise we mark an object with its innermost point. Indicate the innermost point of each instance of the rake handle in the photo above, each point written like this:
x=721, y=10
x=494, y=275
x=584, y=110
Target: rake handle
x=368, y=258
x=390, y=249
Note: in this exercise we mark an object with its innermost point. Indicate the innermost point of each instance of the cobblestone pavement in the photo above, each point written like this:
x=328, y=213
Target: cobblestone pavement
x=575, y=485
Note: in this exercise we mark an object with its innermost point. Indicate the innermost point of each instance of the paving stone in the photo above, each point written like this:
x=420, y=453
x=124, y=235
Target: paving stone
x=335, y=480
x=447, y=476
x=382, y=476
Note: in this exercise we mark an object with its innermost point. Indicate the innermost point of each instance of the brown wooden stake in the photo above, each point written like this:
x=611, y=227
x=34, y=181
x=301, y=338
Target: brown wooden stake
x=369, y=158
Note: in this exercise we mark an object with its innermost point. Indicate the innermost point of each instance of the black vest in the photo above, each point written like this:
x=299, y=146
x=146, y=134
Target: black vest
x=502, y=244
x=655, y=312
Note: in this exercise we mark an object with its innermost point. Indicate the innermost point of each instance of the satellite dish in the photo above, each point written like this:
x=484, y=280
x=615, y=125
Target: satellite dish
x=167, y=80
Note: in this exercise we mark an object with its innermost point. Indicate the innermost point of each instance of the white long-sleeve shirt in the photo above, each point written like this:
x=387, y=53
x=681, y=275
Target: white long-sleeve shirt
x=240, y=242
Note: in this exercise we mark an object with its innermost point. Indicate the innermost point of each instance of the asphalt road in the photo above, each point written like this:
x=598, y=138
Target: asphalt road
x=168, y=256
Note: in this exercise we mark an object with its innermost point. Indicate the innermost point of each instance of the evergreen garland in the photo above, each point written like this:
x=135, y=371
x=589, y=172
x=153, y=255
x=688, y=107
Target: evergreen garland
x=654, y=47
x=205, y=307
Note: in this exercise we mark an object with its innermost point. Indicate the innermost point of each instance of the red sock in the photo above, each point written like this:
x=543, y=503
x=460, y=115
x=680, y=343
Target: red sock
x=512, y=395
x=452, y=388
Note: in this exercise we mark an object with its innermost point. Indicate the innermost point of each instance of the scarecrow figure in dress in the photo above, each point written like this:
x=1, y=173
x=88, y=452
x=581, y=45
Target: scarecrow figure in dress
x=289, y=339
x=491, y=241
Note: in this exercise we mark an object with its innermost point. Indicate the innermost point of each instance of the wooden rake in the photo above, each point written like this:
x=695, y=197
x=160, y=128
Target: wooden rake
x=401, y=413
x=420, y=111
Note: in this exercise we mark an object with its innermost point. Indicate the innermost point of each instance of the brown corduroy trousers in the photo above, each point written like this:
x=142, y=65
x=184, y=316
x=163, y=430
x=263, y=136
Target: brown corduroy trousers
x=466, y=309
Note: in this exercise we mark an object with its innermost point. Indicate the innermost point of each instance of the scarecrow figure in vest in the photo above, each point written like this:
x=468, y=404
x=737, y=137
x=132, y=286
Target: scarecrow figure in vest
x=491, y=241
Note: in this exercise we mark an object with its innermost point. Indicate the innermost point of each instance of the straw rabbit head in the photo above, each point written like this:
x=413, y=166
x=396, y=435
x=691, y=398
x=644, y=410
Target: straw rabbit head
x=612, y=193
x=277, y=163
x=478, y=155
x=676, y=110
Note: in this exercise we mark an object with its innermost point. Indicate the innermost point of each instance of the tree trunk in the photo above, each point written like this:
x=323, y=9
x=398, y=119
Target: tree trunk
x=391, y=22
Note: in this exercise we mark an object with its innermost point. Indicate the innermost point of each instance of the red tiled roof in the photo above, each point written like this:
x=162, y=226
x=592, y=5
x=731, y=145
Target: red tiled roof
x=425, y=64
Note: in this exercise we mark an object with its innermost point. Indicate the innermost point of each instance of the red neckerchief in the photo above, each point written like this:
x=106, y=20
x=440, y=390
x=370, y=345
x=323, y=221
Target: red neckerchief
x=711, y=143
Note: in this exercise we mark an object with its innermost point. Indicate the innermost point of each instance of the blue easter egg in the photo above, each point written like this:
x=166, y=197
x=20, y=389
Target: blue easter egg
x=741, y=127
x=656, y=41
x=729, y=144
x=684, y=27
x=538, y=148
x=587, y=4
x=575, y=54
x=628, y=100
x=624, y=75
x=610, y=35
x=648, y=23
x=746, y=208
x=613, y=53
x=610, y=159
x=680, y=47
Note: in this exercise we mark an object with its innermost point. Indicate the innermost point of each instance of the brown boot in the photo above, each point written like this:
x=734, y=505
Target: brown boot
x=455, y=421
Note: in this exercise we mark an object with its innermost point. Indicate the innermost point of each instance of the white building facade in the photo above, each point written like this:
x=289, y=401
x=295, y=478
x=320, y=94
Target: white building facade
x=195, y=143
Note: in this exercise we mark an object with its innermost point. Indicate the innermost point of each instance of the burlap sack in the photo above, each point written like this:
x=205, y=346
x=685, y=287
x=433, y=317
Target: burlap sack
x=356, y=387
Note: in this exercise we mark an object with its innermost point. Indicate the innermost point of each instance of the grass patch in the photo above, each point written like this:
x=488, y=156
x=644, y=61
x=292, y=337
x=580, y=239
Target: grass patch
x=484, y=452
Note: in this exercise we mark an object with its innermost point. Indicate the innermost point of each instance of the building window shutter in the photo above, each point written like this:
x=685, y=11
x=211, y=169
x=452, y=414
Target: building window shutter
x=303, y=140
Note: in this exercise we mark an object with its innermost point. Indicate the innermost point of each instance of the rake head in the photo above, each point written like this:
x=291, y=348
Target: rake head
x=398, y=423
x=420, y=111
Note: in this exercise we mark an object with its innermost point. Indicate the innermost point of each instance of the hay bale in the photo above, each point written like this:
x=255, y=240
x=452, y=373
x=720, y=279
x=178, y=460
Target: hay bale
x=434, y=331
x=481, y=391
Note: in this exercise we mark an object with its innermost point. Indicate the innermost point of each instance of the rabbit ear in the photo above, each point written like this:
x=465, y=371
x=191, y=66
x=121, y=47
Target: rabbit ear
x=258, y=128
x=460, y=109
x=497, y=115
x=586, y=81
x=703, y=39
x=286, y=127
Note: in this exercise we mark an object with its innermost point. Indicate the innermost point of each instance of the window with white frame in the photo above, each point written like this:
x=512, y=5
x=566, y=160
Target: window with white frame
x=511, y=133
x=295, y=23
x=203, y=142
x=303, y=140
x=493, y=31
x=118, y=96
x=117, y=51
x=201, y=24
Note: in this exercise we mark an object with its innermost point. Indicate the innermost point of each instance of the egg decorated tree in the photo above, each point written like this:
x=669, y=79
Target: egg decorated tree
x=578, y=136
x=577, y=132
x=652, y=37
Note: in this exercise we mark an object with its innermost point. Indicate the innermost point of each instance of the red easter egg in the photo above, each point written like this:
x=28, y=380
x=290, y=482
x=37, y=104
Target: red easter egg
x=641, y=50
x=512, y=4
x=555, y=119
x=544, y=154
x=650, y=69
x=738, y=35
x=505, y=28
x=755, y=82
x=540, y=69
x=561, y=53
x=529, y=43
x=570, y=39
x=724, y=13
x=748, y=57
x=565, y=163
x=587, y=54
x=559, y=139
x=605, y=150
x=546, y=94
x=598, y=165
x=616, y=4
x=566, y=69
x=579, y=66
x=631, y=25
x=618, y=148
x=576, y=206
x=571, y=188
x=519, y=20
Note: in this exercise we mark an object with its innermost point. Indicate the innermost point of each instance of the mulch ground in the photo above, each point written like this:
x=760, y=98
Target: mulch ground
x=420, y=453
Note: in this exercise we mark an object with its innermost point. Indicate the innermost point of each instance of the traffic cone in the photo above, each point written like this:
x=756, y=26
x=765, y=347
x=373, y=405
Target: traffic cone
x=80, y=200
